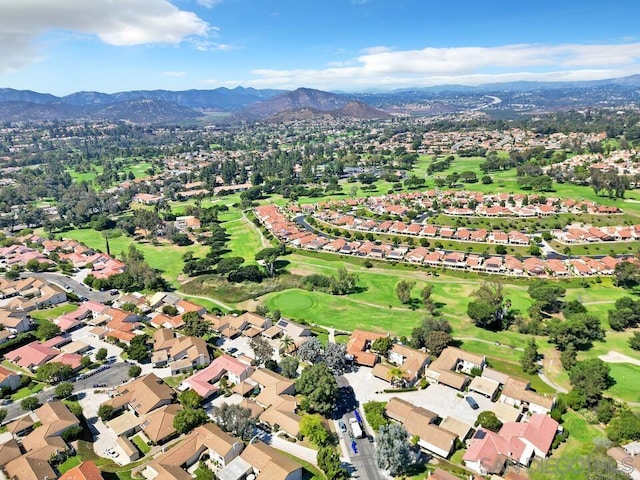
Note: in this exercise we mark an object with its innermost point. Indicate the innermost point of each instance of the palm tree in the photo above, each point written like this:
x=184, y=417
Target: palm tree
x=396, y=375
x=286, y=342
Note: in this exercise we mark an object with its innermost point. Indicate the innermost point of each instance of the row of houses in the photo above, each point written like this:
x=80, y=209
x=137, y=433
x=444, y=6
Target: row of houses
x=35, y=247
x=588, y=234
x=467, y=203
x=337, y=219
x=290, y=232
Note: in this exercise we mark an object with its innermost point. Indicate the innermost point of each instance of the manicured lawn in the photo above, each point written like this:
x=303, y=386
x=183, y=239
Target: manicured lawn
x=55, y=312
x=627, y=378
x=32, y=388
x=69, y=463
x=244, y=239
x=141, y=444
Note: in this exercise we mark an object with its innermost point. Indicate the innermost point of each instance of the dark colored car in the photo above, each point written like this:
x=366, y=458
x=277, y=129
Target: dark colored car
x=343, y=427
x=472, y=403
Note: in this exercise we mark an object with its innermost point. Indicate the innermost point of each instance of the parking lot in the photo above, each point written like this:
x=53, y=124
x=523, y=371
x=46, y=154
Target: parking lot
x=440, y=399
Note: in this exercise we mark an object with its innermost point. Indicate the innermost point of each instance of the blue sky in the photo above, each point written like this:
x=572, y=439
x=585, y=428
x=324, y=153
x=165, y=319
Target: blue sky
x=351, y=45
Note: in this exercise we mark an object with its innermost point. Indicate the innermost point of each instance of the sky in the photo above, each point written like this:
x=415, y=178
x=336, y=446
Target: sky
x=63, y=46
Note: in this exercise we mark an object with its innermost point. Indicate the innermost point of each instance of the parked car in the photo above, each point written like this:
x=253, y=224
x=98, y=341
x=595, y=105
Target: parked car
x=472, y=403
x=343, y=427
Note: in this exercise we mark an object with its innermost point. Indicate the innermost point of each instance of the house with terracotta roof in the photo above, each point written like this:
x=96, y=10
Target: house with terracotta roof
x=85, y=471
x=9, y=380
x=204, y=381
x=359, y=347
x=517, y=442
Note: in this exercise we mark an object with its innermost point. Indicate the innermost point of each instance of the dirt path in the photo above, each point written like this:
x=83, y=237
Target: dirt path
x=617, y=357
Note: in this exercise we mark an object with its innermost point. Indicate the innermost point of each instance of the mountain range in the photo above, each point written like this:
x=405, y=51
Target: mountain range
x=249, y=104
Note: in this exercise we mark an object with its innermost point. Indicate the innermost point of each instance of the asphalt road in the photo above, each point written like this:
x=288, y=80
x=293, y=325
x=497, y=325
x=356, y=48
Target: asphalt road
x=78, y=288
x=115, y=375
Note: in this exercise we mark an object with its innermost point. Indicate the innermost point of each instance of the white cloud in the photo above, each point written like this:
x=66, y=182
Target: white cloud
x=380, y=66
x=115, y=22
x=174, y=74
x=208, y=3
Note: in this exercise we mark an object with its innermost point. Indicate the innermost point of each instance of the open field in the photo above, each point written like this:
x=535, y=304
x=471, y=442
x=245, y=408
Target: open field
x=165, y=257
x=605, y=248
x=244, y=236
x=627, y=378
x=55, y=312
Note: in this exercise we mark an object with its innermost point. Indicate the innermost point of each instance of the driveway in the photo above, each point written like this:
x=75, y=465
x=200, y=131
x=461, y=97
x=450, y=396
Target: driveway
x=438, y=398
x=103, y=436
x=300, y=451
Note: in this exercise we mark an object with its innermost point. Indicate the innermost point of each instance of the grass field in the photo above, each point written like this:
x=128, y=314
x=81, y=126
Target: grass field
x=566, y=462
x=165, y=257
x=244, y=237
x=627, y=378
x=141, y=444
x=55, y=312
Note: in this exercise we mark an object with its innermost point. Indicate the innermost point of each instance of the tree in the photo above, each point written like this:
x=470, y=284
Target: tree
x=393, y=450
x=134, y=371
x=47, y=330
x=310, y=351
x=101, y=354
x=54, y=372
x=437, y=341
x=269, y=256
x=598, y=465
x=30, y=403
x=286, y=344
x=547, y=295
x=487, y=310
x=591, y=377
x=329, y=462
x=580, y=330
x=626, y=274
x=319, y=387
x=489, y=421
x=313, y=428
x=569, y=357
x=429, y=324
x=262, y=349
x=138, y=350
x=195, y=326
x=64, y=389
x=425, y=294
x=382, y=345
x=235, y=420
x=343, y=283
x=289, y=366
x=375, y=414
x=529, y=358
x=335, y=357
x=203, y=472
x=190, y=399
x=634, y=341
x=625, y=427
x=3, y=414
x=403, y=290
x=105, y=412
x=189, y=418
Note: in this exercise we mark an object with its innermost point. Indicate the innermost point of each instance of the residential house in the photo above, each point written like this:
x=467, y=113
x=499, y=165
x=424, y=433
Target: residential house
x=359, y=347
x=518, y=393
x=449, y=368
x=85, y=471
x=9, y=380
x=203, y=382
x=142, y=395
x=264, y=463
x=181, y=353
x=412, y=362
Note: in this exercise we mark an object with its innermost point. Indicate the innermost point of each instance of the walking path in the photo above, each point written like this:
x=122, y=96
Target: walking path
x=617, y=357
x=210, y=299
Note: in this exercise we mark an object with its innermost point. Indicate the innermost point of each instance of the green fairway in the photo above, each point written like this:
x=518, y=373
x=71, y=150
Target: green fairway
x=627, y=378
x=244, y=237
